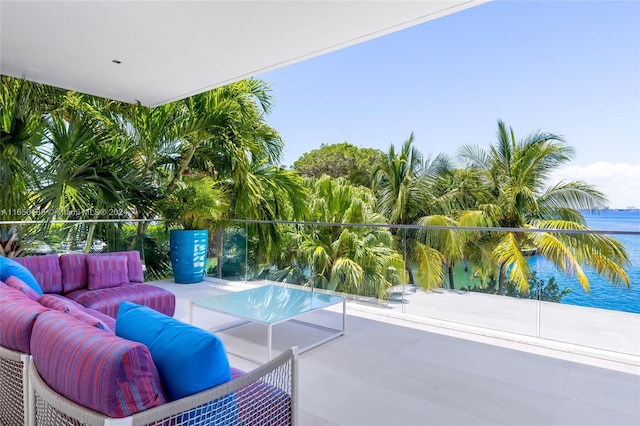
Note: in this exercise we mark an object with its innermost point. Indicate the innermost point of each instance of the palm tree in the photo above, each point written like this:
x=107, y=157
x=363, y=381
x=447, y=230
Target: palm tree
x=86, y=172
x=22, y=119
x=448, y=242
x=236, y=147
x=515, y=172
x=354, y=259
x=397, y=181
x=404, y=186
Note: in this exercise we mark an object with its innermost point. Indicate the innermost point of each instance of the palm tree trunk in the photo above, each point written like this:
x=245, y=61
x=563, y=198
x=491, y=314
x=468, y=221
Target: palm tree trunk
x=142, y=230
x=501, y=278
x=220, y=239
x=450, y=270
x=409, y=273
x=11, y=247
x=185, y=160
x=92, y=228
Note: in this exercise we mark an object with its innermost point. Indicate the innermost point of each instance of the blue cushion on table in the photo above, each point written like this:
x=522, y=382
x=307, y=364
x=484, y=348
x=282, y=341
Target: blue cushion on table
x=189, y=359
x=9, y=267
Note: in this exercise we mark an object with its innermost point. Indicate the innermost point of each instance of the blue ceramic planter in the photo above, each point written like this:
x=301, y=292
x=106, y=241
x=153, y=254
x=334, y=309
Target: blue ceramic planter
x=189, y=254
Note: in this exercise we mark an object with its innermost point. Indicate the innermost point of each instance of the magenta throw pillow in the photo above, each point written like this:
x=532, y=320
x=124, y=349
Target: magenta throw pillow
x=136, y=275
x=74, y=271
x=74, y=309
x=18, y=284
x=106, y=272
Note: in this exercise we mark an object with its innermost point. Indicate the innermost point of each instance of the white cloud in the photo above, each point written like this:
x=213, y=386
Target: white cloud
x=619, y=181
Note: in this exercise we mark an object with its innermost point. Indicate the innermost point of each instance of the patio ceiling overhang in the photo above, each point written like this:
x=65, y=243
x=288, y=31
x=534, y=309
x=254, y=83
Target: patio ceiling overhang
x=155, y=52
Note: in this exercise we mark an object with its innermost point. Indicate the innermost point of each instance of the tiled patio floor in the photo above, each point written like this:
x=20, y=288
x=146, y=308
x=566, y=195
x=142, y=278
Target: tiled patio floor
x=392, y=371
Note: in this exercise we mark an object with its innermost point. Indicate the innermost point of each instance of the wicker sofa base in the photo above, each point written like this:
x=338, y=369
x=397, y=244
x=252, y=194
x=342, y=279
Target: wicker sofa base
x=266, y=396
x=14, y=388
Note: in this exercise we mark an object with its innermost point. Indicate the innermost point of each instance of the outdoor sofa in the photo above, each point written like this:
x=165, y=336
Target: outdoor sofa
x=61, y=363
x=99, y=281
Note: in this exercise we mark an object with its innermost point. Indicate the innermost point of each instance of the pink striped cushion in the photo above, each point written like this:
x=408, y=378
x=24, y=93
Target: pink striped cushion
x=236, y=372
x=74, y=271
x=106, y=272
x=107, y=300
x=46, y=271
x=99, y=370
x=20, y=285
x=77, y=311
x=134, y=266
x=17, y=316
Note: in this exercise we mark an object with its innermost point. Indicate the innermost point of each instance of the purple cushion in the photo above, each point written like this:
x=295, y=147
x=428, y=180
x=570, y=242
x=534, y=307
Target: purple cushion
x=106, y=272
x=74, y=271
x=46, y=270
x=20, y=285
x=235, y=373
x=134, y=266
x=17, y=316
x=79, y=312
x=95, y=369
x=107, y=300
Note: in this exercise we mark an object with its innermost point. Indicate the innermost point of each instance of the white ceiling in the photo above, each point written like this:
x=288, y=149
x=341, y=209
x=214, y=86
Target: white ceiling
x=173, y=49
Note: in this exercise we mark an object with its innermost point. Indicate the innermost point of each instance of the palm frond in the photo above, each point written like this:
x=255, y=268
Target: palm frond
x=429, y=262
x=509, y=253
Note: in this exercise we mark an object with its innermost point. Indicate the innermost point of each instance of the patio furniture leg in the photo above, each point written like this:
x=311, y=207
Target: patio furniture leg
x=269, y=337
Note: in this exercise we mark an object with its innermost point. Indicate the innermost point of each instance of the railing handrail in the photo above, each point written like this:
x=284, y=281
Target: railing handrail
x=79, y=221
x=341, y=224
x=455, y=228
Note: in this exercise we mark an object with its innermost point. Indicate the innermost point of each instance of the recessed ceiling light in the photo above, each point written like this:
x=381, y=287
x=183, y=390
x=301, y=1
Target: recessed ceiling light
x=115, y=61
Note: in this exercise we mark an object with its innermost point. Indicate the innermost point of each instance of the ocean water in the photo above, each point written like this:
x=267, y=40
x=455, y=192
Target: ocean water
x=603, y=294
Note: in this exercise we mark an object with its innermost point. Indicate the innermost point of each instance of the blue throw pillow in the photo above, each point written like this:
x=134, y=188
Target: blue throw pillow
x=188, y=359
x=9, y=267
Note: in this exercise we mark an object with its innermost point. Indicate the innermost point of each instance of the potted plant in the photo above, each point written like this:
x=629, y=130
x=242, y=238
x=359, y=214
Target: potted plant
x=194, y=205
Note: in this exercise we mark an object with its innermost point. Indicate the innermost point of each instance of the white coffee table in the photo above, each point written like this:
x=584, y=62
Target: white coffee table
x=271, y=305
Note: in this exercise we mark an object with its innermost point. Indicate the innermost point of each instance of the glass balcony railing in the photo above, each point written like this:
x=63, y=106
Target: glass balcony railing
x=437, y=273
x=361, y=262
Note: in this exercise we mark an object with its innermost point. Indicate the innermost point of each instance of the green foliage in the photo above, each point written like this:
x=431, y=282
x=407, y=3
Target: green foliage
x=234, y=256
x=537, y=289
x=197, y=203
x=340, y=160
x=353, y=259
x=515, y=172
x=21, y=127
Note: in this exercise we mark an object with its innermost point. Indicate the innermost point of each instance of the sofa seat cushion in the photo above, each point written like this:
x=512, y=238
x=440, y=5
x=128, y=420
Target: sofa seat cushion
x=107, y=300
x=95, y=369
x=79, y=312
x=189, y=359
x=106, y=272
x=46, y=271
x=18, y=313
x=9, y=267
x=20, y=285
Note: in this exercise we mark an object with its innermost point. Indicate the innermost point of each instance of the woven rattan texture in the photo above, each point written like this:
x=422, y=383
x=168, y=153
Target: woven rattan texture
x=11, y=392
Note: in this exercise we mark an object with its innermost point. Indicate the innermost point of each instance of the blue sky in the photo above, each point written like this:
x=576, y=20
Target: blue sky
x=570, y=68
